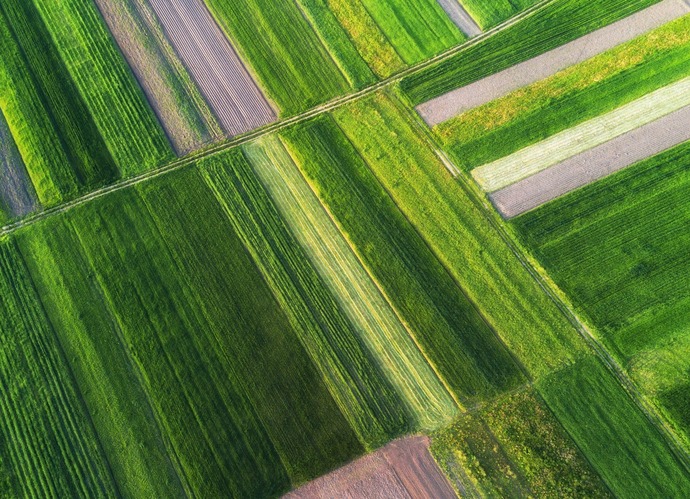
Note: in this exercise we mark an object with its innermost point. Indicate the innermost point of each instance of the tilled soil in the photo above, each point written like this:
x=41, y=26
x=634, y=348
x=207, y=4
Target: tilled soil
x=214, y=65
x=458, y=101
x=17, y=193
x=403, y=468
x=594, y=164
x=462, y=19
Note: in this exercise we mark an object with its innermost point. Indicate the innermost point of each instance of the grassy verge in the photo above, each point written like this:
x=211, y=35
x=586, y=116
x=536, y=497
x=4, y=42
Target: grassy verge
x=515, y=447
x=460, y=235
x=559, y=22
x=620, y=442
x=453, y=335
x=577, y=94
x=283, y=50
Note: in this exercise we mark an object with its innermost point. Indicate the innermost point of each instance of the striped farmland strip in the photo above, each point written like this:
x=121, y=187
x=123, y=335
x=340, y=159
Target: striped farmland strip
x=228, y=87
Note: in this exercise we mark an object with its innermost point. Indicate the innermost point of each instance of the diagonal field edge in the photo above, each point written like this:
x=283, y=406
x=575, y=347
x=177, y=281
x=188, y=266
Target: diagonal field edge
x=462, y=99
x=568, y=143
x=594, y=164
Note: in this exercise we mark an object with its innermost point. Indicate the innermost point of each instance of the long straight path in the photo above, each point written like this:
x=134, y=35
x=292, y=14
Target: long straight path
x=594, y=164
x=458, y=101
x=462, y=19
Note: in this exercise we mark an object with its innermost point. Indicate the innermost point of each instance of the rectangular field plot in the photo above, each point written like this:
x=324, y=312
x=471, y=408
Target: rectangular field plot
x=618, y=248
x=403, y=468
x=489, y=13
x=514, y=447
x=453, y=226
x=289, y=59
x=17, y=194
x=462, y=347
x=227, y=85
x=448, y=105
x=620, y=442
x=559, y=22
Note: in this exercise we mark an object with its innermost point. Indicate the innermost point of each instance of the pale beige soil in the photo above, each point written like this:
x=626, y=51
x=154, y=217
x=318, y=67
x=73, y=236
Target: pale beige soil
x=402, y=469
x=462, y=19
x=17, y=194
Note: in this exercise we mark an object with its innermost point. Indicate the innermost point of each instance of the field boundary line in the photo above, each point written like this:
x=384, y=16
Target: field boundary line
x=562, y=302
x=239, y=140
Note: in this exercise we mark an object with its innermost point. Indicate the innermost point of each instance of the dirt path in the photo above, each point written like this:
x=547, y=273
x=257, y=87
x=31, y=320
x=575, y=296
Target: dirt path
x=214, y=65
x=17, y=195
x=460, y=17
x=457, y=101
x=403, y=468
x=594, y=164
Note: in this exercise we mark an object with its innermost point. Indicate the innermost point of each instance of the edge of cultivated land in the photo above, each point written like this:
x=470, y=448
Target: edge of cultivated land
x=238, y=140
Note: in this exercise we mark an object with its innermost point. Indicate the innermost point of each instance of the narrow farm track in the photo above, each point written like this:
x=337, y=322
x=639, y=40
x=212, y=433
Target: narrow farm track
x=259, y=132
x=462, y=99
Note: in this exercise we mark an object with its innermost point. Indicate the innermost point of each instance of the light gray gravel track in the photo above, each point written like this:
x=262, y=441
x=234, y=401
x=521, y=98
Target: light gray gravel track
x=226, y=84
x=594, y=164
x=462, y=19
x=17, y=193
x=457, y=101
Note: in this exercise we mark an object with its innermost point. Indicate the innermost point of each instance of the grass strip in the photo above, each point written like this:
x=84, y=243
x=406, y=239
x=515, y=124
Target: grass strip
x=461, y=346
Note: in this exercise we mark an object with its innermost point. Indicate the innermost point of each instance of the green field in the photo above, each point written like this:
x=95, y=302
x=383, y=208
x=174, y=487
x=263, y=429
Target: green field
x=367, y=399
x=288, y=57
x=617, y=248
x=247, y=318
x=557, y=23
x=616, y=438
x=447, y=326
x=515, y=447
x=460, y=235
x=489, y=13
x=570, y=97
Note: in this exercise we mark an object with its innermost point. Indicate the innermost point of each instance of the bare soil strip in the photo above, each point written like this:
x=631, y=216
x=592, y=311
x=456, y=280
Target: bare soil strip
x=457, y=101
x=213, y=63
x=462, y=19
x=403, y=468
x=578, y=139
x=594, y=164
x=17, y=195
x=173, y=96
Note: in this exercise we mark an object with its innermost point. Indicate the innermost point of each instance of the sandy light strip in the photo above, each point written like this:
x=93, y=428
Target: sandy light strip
x=460, y=17
x=458, y=101
x=594, y=164
x=561, y=146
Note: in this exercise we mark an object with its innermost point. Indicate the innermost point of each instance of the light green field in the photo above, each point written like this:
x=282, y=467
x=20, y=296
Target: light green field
x=460, y=235
x=489, y=13
x=406, y=368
